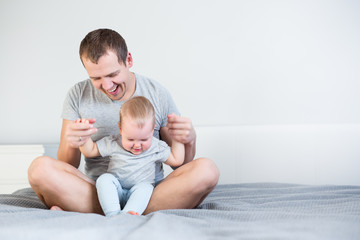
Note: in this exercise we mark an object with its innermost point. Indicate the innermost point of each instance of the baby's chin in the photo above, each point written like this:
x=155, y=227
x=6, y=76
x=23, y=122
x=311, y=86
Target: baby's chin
x=136, y=152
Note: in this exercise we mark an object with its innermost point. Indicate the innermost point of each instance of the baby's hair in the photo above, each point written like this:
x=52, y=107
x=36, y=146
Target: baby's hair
x=138, y=109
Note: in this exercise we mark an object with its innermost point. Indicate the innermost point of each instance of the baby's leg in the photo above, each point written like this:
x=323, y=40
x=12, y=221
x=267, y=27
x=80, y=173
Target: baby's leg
x=109, y=190
x=139, y=196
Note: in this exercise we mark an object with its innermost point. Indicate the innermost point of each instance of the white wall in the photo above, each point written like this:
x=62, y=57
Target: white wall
x=227, y=62
x=303, y=154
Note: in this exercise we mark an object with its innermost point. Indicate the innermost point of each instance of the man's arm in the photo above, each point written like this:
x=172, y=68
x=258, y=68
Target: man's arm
x=70, y=140
x=89, y=148
x=182, y=130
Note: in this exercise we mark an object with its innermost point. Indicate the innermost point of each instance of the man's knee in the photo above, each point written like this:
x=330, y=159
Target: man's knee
x=207, y=172
x=38, y=168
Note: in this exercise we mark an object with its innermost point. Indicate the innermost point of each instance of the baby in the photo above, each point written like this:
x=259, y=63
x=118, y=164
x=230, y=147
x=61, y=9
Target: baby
x=129, y=182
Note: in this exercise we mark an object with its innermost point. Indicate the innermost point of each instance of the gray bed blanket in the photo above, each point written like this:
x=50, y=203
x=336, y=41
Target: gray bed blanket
x=239, y=211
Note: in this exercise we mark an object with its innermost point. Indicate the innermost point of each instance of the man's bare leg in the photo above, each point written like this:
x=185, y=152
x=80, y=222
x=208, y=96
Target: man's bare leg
x=186, y=187
x=56, y=208
x=59, y=184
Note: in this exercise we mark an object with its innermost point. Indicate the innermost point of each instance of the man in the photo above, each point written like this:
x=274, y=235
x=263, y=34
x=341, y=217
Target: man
x=61, y=186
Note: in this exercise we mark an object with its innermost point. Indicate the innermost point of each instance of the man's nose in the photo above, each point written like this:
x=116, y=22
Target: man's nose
x=107, y=83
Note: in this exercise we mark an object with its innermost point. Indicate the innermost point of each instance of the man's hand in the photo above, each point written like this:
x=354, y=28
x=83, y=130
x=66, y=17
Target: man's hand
x=79, y=131
x=181, y=129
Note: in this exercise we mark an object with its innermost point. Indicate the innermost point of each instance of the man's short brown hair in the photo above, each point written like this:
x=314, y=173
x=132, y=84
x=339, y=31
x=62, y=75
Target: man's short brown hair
x=98, y=42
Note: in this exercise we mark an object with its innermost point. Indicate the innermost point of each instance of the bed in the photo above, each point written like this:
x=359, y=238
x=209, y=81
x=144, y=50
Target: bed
x=231, y=211
x=277, y=182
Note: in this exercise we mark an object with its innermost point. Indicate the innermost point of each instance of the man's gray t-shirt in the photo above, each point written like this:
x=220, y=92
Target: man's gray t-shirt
x=85, y=101
x=129, y=168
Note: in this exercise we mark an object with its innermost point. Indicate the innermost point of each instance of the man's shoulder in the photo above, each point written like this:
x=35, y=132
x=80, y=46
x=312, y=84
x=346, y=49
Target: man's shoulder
x=149, y=88
x=145, y=81
x=81, y=86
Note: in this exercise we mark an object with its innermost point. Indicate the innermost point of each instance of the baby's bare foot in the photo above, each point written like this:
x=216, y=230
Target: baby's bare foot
x=133, y=213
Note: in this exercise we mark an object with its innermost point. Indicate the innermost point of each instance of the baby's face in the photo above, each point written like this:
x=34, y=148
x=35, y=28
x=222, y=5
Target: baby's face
x=135, y=139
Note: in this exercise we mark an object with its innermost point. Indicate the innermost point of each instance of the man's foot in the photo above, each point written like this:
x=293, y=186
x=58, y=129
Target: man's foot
x=133, y=213
x=56, y=208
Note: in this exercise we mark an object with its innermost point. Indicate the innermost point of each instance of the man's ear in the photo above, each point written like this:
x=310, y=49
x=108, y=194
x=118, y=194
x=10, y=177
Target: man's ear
x=129, y=60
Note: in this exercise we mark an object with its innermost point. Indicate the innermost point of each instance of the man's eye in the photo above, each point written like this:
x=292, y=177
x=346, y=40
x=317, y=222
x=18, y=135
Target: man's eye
x=95, y=79
x=113, y=74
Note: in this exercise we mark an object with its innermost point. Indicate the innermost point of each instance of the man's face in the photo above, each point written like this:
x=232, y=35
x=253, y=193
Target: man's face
x=110, y=76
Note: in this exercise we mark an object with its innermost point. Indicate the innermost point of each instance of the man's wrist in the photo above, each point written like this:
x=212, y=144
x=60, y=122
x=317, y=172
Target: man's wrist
x=191, y=143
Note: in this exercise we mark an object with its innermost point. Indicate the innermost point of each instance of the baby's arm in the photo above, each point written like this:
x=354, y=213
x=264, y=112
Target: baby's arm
x=89, y=148
x=177, y=154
